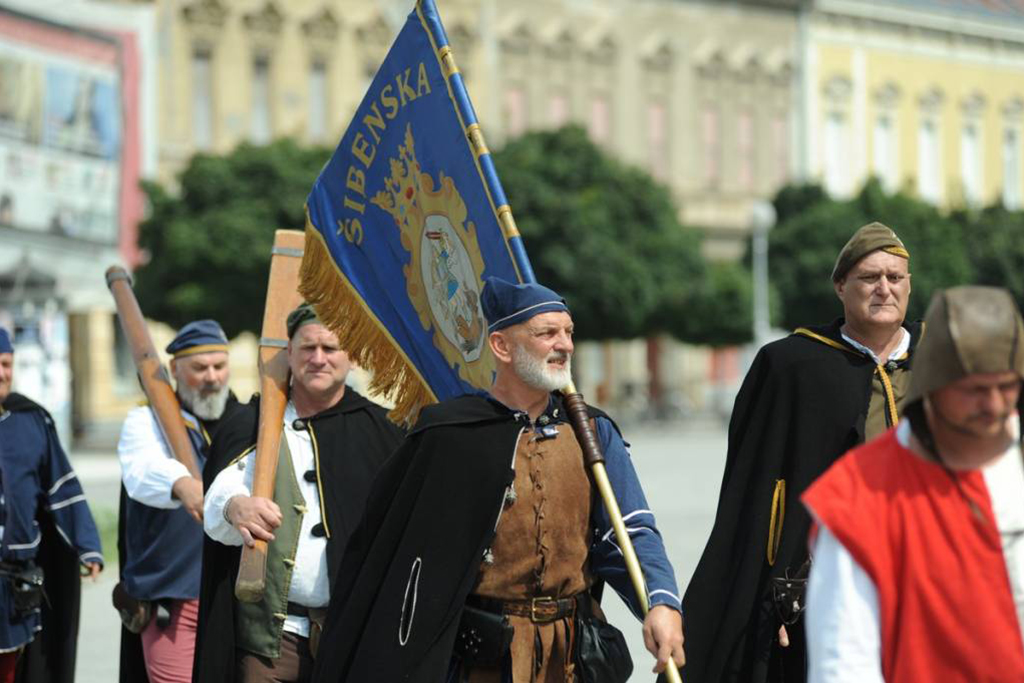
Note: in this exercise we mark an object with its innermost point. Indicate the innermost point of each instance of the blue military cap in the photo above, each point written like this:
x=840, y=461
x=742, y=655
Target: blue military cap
x=5, y=342
x=507, y=303
x=199, y=336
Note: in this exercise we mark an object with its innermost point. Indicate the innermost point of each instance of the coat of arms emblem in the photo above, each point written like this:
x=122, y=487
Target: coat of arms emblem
x=443, y=277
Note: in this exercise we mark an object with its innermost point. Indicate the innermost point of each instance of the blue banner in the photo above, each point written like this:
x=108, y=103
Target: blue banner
x=413, y=218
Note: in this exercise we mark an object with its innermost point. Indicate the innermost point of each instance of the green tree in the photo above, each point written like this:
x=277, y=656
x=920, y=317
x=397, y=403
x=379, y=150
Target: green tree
x=804, y=245
x=996, y=248
x=604, y=234
x=209, y=242
x=718, y=311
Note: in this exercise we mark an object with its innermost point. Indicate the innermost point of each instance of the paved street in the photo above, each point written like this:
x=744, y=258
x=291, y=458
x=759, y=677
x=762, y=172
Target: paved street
x=679, y=464
x=681, y=470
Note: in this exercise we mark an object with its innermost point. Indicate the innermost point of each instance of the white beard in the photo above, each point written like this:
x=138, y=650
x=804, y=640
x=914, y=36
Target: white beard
x=537, y=373
x=208, y=407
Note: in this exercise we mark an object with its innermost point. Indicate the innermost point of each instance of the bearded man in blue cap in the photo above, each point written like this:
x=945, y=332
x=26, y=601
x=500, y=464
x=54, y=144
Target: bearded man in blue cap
x=46, y=533
x=483, y=548
x=161, y=533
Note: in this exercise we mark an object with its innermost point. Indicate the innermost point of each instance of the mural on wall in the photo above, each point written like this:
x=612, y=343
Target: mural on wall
x=61, y=131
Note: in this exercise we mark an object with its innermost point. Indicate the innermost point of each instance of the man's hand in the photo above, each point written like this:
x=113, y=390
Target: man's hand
x=783, y=636
x=189, y=491
x=91, y=570
x=663, y=636
x=255, y=518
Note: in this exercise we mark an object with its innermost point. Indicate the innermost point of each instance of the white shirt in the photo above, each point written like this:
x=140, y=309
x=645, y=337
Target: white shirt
x=844, y=643
x=309, y=585
x=148, y=469
x=896, y=354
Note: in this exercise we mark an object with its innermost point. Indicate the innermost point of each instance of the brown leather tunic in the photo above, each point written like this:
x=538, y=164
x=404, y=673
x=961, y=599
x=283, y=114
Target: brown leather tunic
x=540, y=550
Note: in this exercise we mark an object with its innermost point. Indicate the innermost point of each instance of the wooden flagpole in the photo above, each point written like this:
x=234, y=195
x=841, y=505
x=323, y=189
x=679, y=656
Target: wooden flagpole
x=282, y=298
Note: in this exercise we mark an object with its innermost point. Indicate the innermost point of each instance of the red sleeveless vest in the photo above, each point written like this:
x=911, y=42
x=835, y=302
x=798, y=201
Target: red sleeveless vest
x=946, y=606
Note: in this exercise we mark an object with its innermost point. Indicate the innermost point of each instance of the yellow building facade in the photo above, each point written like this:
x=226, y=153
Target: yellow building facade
x=926, y=96
x=698, y=93
x=722, y=100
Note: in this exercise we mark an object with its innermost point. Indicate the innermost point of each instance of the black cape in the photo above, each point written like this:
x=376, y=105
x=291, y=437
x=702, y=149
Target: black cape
x=802, y=405
x=50, y=657
x=397, y=599
x=132, y=667
x=354, y=438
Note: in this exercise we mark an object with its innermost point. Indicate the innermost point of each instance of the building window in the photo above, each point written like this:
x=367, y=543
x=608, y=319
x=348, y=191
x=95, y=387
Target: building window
x=712, y=144
x=515, y=111
x=745, y=149
x=780, y=136
x=929, y=169
x=1011, y=169
x=837, y=165
x=559, y=110
x=885, y=164
x=202, y=99
x=600, y=120
x=657, y=140
x=260, y=129
x=970, y=163
x=125, y=372
x=317, y=111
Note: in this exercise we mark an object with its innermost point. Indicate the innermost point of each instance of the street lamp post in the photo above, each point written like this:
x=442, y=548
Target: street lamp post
x=762, y=218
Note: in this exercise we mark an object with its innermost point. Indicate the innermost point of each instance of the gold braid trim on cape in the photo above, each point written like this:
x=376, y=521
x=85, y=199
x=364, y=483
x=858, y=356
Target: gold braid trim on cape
x=363, y=337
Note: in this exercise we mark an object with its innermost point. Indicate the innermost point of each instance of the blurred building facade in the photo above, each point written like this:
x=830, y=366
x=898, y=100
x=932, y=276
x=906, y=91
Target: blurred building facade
x=722, y=100
x=701, y=94
x=76, y=107
x=926, y=95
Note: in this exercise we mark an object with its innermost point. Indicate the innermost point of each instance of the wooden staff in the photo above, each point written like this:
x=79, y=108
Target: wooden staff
x=594, y=460
x=156, y=383
x=282, y=298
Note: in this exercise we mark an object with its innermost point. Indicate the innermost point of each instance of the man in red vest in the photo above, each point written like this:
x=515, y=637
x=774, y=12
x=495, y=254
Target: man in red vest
x=918, y=568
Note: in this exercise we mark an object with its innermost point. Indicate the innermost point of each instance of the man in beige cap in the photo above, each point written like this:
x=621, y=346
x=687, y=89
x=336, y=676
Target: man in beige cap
x=919, y=552
x=805, y=401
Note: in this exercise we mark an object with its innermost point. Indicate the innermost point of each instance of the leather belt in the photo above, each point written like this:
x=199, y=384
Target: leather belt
x=297, y=610
x=540, y=610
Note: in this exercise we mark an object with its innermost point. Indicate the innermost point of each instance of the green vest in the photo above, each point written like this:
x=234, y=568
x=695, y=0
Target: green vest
x=258, y=625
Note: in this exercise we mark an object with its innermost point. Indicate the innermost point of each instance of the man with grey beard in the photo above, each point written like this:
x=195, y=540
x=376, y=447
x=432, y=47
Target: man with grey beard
x=487, y=514
x=161, y=532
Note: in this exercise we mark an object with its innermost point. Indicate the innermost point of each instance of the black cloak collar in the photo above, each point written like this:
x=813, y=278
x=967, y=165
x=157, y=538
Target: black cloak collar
x=16, y=403
x=831, y=335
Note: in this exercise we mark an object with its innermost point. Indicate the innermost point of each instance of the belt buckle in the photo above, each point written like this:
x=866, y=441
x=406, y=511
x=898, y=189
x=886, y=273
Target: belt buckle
x=533, y=609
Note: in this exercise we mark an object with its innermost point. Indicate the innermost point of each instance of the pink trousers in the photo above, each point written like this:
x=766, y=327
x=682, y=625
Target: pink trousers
x=169, y=651
x=8, y=666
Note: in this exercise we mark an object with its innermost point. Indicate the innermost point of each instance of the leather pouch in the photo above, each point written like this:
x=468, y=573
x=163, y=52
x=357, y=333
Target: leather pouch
x=135, y=614
x=26, y=587
x=601, y=653
x=788, y=594
x=484, y=637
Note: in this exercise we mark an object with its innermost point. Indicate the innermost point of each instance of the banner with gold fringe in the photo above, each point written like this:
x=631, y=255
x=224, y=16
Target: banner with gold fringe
x=403, y=224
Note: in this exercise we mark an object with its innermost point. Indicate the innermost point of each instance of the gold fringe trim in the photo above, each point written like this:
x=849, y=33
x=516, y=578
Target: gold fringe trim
x=367, y=342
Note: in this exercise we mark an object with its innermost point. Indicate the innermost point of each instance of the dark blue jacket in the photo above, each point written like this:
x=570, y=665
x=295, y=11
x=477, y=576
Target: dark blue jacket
x=163, y=548
x=36, y=482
